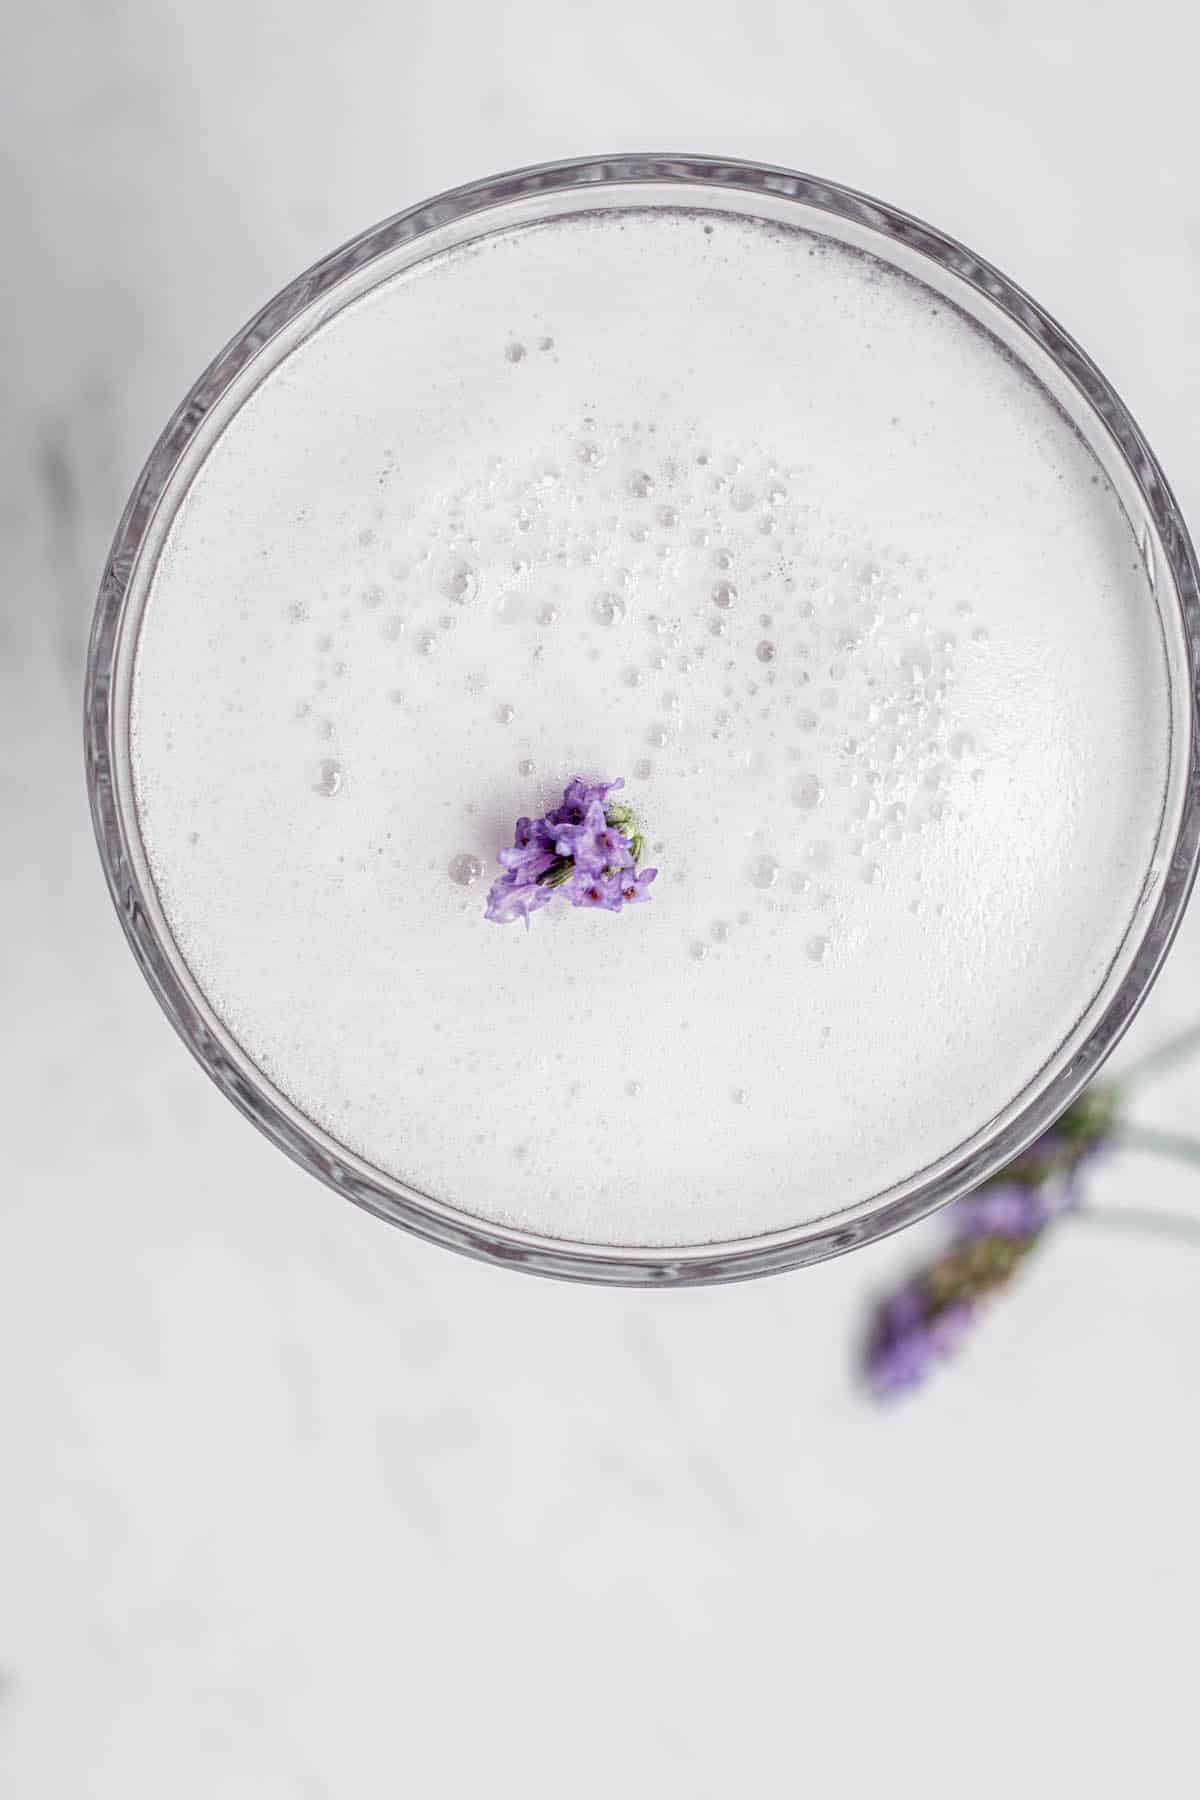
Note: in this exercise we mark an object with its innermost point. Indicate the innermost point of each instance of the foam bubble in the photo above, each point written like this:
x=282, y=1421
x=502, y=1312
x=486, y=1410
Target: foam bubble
x=329, y=778
x=608, y=609
x=465, y=869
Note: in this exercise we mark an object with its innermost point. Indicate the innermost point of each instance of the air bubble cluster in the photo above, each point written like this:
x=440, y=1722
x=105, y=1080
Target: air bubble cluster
x=754, y=644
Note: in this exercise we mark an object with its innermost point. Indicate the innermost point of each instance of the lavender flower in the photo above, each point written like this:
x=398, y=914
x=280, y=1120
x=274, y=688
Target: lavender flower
x=530, y=835
x=993, y=1229
x=991, y=1233
x=586, y=888
x=594, y=845
x=634, y=886
x=588, y=847
x=906, y=1340
x=930, y=1315
x=1000, y=1209
x=578, y=796
x=511, y=898
x=532, y=853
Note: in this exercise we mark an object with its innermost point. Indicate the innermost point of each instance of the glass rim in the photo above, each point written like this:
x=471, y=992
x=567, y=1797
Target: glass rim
x=122, y=855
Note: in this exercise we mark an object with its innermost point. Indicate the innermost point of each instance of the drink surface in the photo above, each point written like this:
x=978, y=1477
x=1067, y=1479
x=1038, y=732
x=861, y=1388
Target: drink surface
x=764, y=527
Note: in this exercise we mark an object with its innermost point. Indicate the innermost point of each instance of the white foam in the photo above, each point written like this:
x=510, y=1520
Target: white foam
x=769, y=531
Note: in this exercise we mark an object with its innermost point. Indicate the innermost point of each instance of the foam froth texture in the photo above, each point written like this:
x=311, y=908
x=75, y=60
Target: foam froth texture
x=764, y=527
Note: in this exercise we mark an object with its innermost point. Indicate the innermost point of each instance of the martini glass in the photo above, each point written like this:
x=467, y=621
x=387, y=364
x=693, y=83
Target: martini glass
x=776, y=196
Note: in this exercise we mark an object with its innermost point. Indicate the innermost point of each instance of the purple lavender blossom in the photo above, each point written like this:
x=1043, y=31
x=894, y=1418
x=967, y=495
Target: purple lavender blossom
x=992, y=1232
x=594, y=845
x=1000, y=1208
x=899, y=1351
x=532, y=854
x=531, y=834
x=578, y=796
x=634, y=886
x=909, y=1334
x=528, y=861
x=596, y=890
x=512, y=898
x=946, y=1329
x=585, y=848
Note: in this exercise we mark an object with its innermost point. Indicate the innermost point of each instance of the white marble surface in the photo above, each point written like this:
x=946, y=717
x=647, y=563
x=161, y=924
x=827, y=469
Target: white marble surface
x=292, y=1505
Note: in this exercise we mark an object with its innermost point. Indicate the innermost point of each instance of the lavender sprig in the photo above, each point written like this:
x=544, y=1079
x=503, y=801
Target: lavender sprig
x=588, y=849
x=993, y=1231
x=927, y=1318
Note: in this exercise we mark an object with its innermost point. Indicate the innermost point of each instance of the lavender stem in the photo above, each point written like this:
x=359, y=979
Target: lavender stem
x=1160, y=1143
x=1165, y=1057
x=1157, y=1221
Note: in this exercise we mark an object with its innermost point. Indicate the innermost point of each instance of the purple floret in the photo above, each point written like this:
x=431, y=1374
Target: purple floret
x=532, y=834
x=1001, y=1209
x=899, y=1352
x=587, y=889
x=578, y=796
x=946, y=1329
x=510, y=898
x=634, y=887
x=595, y=846
x=992, y=1231
x=909, y=1335
x=532, y=848
x=578, y=850
x=529, y=864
